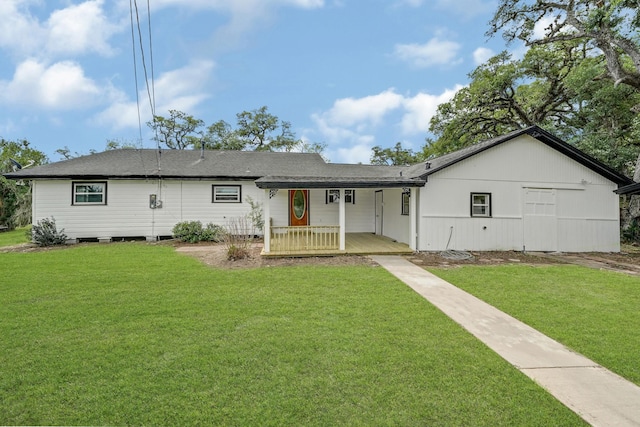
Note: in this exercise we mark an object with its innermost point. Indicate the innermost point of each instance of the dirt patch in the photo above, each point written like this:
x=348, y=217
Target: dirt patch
x=455, y=259
x=215, y=255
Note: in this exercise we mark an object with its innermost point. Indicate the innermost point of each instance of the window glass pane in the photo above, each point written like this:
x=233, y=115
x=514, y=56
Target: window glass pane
x=226, y=194
x=480, y=205
x=405, y=204
x=89, y=193
x=479, y=199
x=479, y=210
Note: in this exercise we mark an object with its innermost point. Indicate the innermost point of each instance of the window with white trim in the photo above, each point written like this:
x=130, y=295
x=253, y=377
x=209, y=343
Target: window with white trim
x=481, y=204
x=227, y=194
x=89, y=193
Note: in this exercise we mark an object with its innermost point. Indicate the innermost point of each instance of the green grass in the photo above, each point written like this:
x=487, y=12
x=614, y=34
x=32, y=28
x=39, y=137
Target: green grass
x=596, y=313
x=14, y=237
x=135, y=334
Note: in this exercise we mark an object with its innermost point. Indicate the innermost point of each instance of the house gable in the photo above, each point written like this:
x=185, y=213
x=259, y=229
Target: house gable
x=434, y=165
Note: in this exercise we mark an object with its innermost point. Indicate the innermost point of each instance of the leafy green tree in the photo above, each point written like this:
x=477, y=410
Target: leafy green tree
x=15, y=196
x=610, y=25
x=221, y=136
x=397, y=156
x=507, y=94
x=178, y=131
x=256, y=130
x=262, y=131
x=118, y=144
x=605, y=124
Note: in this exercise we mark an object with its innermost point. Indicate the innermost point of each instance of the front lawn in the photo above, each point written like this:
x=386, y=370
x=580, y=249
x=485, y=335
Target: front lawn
x=14, y=237
x=596, y=313
x=125, y=334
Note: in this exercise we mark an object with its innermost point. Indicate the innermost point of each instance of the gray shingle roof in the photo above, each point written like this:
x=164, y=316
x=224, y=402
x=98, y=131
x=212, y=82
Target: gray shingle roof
x=142, y=163
x=278, y=169
x=272, y=167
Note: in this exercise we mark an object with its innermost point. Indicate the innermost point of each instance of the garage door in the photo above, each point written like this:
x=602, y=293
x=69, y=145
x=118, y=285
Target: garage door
x=540, y=221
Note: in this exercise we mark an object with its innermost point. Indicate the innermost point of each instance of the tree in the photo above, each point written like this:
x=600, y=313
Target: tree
x=256, y=130
x=610, y=25
x=112, y=144
x=605, y=124
x=262, y=131
x=15, y=196
x=396, y=156
x=178, y=131
x=507, y=94
x=118, y=144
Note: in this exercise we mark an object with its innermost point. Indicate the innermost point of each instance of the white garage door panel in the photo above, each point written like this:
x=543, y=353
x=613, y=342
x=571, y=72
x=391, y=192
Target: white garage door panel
x=540, y=220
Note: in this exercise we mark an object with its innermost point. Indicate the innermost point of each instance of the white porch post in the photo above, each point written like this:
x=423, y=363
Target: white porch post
x=266, y=212
x=342, y=220
x=413, y=217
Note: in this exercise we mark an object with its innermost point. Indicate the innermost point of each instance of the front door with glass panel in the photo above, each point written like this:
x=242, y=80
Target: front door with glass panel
x=298, y=207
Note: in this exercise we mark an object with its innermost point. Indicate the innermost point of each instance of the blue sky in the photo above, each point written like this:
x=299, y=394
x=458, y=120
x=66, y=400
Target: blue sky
x=348, y=73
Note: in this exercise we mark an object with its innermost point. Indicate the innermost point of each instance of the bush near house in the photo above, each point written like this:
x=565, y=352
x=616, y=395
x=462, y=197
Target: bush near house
x=194, y=232
x=45, y=233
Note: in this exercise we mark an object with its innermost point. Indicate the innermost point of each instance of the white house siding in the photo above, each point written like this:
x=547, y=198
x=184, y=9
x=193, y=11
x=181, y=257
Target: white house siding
x=582, y=217
x=394, y=224
x=127, y=212
x=359, y=216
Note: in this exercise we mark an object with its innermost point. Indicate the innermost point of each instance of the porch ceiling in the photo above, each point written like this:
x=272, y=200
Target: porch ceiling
x=269, y=182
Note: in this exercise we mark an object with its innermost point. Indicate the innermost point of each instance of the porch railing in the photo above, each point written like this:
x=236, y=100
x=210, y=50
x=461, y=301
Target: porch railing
x=305, y=238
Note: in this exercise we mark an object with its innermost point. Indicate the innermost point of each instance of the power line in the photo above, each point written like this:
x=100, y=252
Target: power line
x=135, y=68
x=144, y=63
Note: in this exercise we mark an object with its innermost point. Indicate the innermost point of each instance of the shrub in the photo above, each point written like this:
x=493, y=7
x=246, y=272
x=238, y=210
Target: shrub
x=238, y=237
x=193, y=232
x=255, y=215
x=45, y=233
x=235, y=253
x=213, y=233
x=632, y=233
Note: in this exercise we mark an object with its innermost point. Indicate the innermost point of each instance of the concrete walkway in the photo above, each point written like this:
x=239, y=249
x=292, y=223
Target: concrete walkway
x=599, y=396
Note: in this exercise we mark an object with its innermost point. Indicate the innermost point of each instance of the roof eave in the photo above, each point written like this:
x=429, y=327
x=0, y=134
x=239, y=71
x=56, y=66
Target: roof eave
x=310, y=184
x=629, y=189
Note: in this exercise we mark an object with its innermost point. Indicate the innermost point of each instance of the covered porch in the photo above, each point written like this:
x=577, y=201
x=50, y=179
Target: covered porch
x=302, y=243
x=311, y=216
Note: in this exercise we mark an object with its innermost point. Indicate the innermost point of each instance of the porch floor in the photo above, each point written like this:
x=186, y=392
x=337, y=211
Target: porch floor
x=355, y=244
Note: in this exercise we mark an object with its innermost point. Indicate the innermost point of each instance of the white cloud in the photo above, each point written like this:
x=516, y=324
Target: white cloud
x=419, y=109
x=482, y=55
x=61, y=86
x=367, y=110
x=541, y=25
x=358, y=153
x=19, y=31
x=352, y=122
x=181, y=89
x=77, y=29
x=434, y=52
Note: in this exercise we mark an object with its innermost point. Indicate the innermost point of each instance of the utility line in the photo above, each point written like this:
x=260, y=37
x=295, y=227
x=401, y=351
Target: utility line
x=135, y=68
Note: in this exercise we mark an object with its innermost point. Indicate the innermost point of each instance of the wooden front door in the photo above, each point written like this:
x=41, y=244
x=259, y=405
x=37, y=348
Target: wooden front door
x=298, y=207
